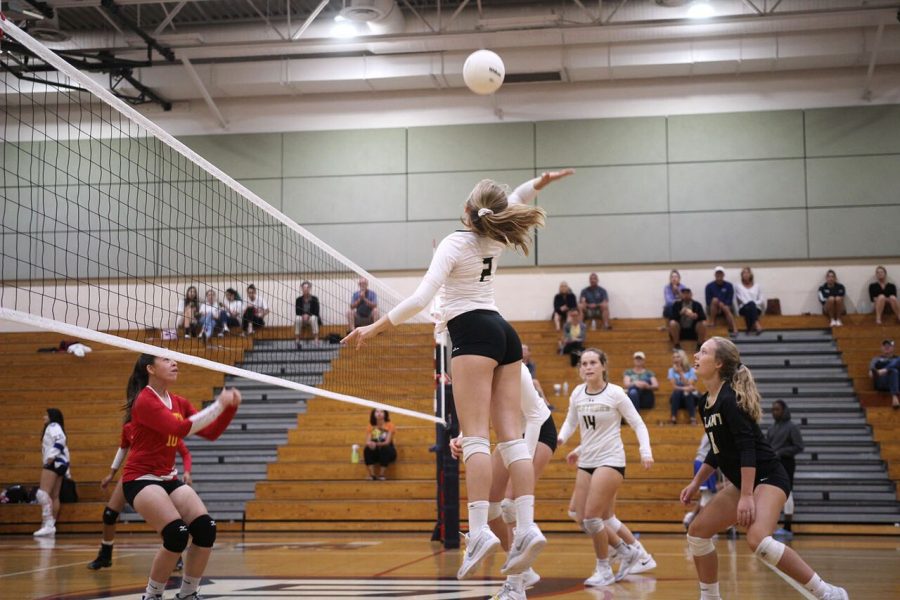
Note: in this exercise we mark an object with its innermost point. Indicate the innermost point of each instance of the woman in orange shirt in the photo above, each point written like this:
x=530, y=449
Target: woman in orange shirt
x=379, y=443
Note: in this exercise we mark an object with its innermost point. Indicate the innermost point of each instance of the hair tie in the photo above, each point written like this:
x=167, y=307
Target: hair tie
x=484, y=211
x=739, y=365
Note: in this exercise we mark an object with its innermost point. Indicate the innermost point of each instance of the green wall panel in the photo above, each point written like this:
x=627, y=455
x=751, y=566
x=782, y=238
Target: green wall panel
x=608, y=191
x=854, y=180
x=435, y=196
x=350, y=152
x=498, y=146
x=736, y=136
x=736, y=185
x=854, y=232
x=241, y=156
x=853, y=130
x=600, y=142
x=627, y=239
x=739, y=235
x=365, y=198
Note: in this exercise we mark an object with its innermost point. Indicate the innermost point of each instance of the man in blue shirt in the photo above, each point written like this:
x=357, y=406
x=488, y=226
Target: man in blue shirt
x=594, y=303
x=720, y=299
x=363, y=306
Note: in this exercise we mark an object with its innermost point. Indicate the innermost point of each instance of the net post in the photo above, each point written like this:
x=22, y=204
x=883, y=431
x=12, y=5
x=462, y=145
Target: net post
x=447, y=468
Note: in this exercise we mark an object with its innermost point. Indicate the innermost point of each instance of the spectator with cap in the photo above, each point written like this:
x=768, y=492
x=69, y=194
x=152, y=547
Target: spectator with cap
x=720, y=299
x=688, y=320
x=884, y=370
x=639, y=382
x=594, y=303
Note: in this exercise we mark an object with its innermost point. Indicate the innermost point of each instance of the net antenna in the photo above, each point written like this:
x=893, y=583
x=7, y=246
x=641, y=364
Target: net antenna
x=108, y=220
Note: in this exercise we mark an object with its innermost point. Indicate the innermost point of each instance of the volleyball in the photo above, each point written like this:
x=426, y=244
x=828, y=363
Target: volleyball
x=483, y=72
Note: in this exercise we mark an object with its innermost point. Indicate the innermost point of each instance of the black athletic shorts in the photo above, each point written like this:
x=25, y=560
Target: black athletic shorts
x=769, y=473
x=548, y=435
x=484, y=333
x=590, y=470
x=131, y=488
x=59, y=468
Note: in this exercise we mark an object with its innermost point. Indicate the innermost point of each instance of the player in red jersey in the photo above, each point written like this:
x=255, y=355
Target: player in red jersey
x=116, y=501
x=150, y=482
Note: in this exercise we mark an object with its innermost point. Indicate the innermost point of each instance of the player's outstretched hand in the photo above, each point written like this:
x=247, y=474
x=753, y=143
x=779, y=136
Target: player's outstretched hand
x=646, y=463
x=548, y=177
x=687, y=494
x=456, y=447
x=230, y=397
x=359, y=336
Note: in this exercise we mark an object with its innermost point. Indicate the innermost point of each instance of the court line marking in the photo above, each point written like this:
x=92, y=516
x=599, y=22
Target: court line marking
x=792, y=582
x=120, y=556
x=412, y=562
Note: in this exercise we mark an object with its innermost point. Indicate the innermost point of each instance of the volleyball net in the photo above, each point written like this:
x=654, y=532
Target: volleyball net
x=108, y=222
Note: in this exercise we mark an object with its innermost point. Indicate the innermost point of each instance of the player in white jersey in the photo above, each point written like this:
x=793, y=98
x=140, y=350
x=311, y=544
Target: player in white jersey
x=597, y=408
x=486, y=357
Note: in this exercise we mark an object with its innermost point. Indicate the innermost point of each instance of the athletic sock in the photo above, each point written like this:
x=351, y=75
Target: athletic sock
x=524, y=511
x=189, y=585
x=602, y=563
x=709, y=591
x=478, y=515
x=817, y=586
x=106, y=549
x=155, y=588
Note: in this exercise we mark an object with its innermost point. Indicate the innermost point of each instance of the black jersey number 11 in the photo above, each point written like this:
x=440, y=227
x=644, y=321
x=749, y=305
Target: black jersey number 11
x=488, y=264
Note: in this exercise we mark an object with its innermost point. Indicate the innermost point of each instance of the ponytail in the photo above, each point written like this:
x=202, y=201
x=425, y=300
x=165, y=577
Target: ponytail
x=54, y=415
x=739, y=376
x=137, y=382
x=489, y=213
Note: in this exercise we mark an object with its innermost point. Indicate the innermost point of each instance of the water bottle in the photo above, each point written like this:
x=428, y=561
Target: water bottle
x=565, y=388
x=354, y=453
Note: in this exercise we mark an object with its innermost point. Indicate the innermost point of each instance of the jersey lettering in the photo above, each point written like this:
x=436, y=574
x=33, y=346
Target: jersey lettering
x=712, y=442
x=590, y=421
x=172, y=440
x=488, y=267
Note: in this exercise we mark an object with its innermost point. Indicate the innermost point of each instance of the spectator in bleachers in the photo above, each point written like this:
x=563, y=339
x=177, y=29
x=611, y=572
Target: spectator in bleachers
x=787, y=442
x=379, y=448
x=671, y=294
x=831, y=296
x=720, y=300
x=563, y=302
x=684, y=384
x=594, y=303
x=233, y=307
x=884, y=370
x=750, y=301
x=212, y=315
x=363, y=306
x=883, y=293
x=639, y=382
x=306, y=309
x=532, y=370
x=573, y=335
x=256, y=309
x=189, y=313
x=688, y=320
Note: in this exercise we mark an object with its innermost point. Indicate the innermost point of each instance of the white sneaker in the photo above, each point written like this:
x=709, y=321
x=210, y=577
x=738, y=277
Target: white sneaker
x=628, y=559
x=600, y=578
x=509, y=592
x=837, y=323
x=47, y=530
x=479, y=545
x=152, y=596
x=646, y=562
x=835, y=593
x=525, y=547
x=530, y=578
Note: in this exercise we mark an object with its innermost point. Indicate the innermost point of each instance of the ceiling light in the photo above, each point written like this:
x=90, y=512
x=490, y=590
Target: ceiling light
x=343, y=28
x=701, y=9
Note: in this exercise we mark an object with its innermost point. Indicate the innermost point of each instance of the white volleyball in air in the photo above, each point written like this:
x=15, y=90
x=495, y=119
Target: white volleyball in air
x=483, y=72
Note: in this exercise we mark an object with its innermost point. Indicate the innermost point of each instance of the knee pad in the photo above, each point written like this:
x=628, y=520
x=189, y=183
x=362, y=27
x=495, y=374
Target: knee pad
x=613, y=523
x=175, y=536
x=770, y=550
x=110, y=516
x=494, y=510
x=203, y=531
x=508, y=507
x=592, y=526
x=475, y=445
x=42, y=497
x=789, y=504
x=700, y=546
x=514, y=450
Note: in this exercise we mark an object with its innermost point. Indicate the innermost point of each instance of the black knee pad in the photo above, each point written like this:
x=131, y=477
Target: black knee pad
x=110, y=516
x=203, y=531
x=175, y=536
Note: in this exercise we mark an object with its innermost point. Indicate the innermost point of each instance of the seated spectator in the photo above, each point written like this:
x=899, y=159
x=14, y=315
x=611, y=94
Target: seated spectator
x=831, y=296
x=671, y=293
x=189, y=313
x=594, y=303
x=563, y=302
x=573, y=335
x=233, y=309
x=255, y=311
x=688, y=320
x=884, y=370
x=640, y=382
x=379, y=443
x=306, y=309
x=720, y=300
x=363, y=306
x=684, y=381
x=750, y=301
x=212, y=315
x=883, y=293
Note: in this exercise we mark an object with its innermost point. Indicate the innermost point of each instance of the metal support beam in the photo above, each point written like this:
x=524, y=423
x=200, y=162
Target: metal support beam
x=413, y=10
x=458, y=10
x=310, y=19
x=867, y=90
x=109, y=19
x=42, y=7
x=615, y=10
x=169, y=17
x=115, y=12
x=195, y=77
x=755, y=8
x=774, y=6
x=266, y=19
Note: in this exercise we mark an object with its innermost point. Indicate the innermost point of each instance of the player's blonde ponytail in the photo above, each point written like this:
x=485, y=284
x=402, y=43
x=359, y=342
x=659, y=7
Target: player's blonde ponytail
x=740, y=377
x=489, y=213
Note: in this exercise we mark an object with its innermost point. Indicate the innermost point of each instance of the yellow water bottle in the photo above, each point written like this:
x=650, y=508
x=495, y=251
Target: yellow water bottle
x=354, y=453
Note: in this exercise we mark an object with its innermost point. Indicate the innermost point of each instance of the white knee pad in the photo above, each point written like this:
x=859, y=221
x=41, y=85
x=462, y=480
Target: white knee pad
x=789, y=505
x=514, y=450
x=475, y=445
x=593, y=526
x=43, y=497
x=700, y=546
x=770, y=550
x=613, y=523
x=508, y=510
x=494, y=510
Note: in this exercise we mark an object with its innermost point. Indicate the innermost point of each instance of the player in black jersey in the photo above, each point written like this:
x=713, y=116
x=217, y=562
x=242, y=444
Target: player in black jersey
x=731, y=412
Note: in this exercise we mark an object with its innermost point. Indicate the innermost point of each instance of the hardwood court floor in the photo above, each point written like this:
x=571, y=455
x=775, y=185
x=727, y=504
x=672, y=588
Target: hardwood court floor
x=395, y=566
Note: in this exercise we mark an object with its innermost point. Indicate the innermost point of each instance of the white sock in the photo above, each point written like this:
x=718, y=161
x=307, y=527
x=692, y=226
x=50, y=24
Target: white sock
x=709, y=591
x=155, y=588
x=478, y=515
x=602, y=563
x=517, y=581
x=524, y=511
x=105, y=543
x=189, y=585
x=817, y=586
